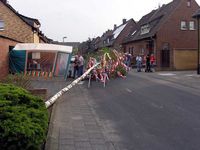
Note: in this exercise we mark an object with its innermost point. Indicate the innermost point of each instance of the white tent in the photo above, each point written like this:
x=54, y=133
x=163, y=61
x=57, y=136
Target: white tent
x=40, y=59
x=43, y=47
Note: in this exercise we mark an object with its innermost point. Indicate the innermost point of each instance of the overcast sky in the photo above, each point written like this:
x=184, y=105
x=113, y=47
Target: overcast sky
x=80, y=19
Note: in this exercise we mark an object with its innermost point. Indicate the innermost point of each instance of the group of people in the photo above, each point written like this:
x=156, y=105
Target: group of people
x=110, y=66
x=148, y=60
x=78, y=65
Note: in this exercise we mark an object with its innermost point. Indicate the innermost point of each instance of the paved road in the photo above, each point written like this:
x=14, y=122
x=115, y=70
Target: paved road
x=143, y=112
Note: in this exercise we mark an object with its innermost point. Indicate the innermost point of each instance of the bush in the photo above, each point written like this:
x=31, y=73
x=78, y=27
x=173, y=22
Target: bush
x=23, y=119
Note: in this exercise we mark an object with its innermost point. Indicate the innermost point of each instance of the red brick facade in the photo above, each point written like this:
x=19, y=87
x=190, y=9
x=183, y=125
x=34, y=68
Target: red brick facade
x=15, y=30
x=4, y=59
x=14, y=27
x=170, y=36
x=125, y=32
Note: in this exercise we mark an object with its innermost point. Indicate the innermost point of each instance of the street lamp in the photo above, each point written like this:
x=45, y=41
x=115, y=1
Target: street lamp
x=197, y=16
x=64, y=38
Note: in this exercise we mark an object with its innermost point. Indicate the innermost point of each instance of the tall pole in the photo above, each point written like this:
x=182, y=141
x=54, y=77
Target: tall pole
x=197, y=16
x=64, y=38
x=198, y=65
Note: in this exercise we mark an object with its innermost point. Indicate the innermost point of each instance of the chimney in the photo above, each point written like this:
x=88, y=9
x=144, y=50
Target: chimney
x=124, y=21
x=4, y=1
x=115, y=26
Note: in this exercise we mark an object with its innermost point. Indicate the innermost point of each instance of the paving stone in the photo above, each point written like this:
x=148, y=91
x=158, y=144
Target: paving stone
x=83, y=145
x=66, y=147
x=95, y=135
x=99, y=147
x=97, y=141
x=66, y=141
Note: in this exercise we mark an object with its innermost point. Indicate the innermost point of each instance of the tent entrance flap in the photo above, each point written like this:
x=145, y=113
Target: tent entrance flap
x=17, y=61
x=61, y=64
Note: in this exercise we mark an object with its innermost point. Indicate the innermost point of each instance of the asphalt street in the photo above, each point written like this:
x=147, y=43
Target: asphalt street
x=145, y=111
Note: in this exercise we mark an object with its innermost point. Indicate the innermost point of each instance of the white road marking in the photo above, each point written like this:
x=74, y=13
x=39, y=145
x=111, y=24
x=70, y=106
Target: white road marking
x=167, y=74
x=189, y=75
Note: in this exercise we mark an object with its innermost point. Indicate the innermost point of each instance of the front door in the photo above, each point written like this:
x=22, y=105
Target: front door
x=165, y=55
x=165, y=58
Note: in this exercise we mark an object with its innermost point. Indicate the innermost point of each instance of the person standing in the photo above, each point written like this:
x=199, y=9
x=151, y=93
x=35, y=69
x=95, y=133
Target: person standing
x=80, y=65
x=148, y=65
x=139, y=63
x=75, y=67
x=152, y=61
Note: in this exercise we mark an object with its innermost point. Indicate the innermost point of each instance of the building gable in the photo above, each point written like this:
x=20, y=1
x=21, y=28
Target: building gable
x=14, y=27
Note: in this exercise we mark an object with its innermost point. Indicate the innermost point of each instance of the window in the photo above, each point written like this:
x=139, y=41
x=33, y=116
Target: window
x=183, y=25
x=191, y=25
x=134, y=32
x=189, y=3
x=145, y=29
x=108, y=40
x=1, y=25
x=36, y=55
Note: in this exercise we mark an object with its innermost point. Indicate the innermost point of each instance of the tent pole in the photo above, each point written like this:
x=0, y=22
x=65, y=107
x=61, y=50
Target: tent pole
x=54, y=64
x=68, y=62
x=25, y=68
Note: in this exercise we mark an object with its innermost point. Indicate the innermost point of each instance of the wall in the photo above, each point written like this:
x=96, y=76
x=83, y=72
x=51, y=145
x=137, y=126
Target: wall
x=36, y=38
x=171, y=33
x=126, y=31
x=138, y=48
x=4, y=60
x=15, y=28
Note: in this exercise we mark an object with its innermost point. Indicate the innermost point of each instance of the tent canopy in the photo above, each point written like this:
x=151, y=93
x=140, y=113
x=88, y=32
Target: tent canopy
x=43, y=47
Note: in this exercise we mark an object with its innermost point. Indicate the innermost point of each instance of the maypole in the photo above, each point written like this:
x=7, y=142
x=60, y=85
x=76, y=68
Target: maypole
x=53, y=99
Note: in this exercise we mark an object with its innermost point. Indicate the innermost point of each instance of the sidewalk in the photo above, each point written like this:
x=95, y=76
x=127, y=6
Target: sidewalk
x=185, y=78
x=74, y=125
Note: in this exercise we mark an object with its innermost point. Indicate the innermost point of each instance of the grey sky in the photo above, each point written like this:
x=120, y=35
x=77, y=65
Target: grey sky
x=80, y=19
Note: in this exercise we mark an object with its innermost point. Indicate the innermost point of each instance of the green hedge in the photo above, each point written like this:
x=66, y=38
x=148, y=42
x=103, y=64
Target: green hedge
x=23, y=119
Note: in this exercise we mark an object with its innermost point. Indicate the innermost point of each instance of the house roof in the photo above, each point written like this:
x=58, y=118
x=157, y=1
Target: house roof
x=153, y=20
x=73, y=44
x=112, y=35
x=30, y=21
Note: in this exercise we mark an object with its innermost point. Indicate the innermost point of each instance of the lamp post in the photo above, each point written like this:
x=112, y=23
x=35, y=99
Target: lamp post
x=197, y=16
x=64, y=38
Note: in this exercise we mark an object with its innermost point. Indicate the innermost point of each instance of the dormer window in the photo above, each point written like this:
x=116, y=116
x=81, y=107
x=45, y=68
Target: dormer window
x=145, y=29
x=1, y=25
x=108, y=40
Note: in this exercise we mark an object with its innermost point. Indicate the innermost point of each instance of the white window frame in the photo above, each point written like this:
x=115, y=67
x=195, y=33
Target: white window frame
x=35, y=55
x=189, y=3
x=183, y=25
x=191, y=25
x=2, y=25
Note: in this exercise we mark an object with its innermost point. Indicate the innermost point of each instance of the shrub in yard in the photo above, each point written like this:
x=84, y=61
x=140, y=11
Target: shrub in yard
x=23, y=119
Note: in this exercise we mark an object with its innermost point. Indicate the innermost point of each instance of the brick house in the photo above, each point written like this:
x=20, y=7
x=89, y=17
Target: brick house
x=15, y=28
x=111, y=38
x=114, y=38
x=170, y=33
